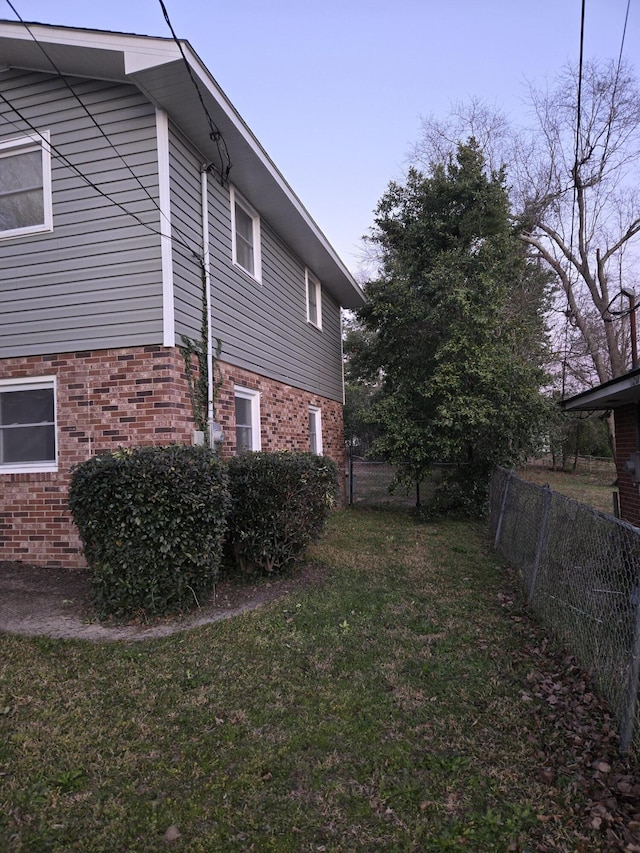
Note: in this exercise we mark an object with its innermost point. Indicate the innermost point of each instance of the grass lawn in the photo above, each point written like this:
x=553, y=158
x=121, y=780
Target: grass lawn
x=591, y=485
x=392, y=708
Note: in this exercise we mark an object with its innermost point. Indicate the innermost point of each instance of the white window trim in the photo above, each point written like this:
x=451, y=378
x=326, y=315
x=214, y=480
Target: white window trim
x=254, y=398
x=236, y=198
x=316, y=413
x=313, y=281
x=33, y=383
x=31, y=141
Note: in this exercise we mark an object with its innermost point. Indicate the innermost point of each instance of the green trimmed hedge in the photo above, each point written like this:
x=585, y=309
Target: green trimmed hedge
x=152, y=521
x=279, y=503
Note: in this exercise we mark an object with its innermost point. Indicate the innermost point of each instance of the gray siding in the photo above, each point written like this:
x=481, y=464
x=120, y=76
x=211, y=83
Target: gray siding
x=186, y=222
x=264, y=327
x=95, y=281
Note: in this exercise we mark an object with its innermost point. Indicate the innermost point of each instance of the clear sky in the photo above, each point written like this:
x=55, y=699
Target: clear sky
x=335, y=89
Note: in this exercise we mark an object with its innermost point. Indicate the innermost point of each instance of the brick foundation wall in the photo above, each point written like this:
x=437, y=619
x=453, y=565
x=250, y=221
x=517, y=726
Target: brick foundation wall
x=626, y=418
x=104, y=399
x=284, y=414
x=112, y=398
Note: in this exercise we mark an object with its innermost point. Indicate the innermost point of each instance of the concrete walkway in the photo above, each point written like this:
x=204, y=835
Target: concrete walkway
x=36, y=601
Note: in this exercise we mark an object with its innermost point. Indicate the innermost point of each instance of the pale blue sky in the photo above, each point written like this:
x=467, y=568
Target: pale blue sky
x=335, y=90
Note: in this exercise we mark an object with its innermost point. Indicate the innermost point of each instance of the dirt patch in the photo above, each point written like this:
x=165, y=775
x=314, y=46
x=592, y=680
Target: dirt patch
x=56, y=602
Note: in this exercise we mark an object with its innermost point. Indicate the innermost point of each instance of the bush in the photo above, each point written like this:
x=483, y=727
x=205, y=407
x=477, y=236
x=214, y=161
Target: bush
x=152, y=521
x=461, y=492
x=279, y=504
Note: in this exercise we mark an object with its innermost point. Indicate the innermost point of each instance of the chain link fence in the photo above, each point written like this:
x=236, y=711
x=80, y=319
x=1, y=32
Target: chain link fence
x=593, y=466
x=580, y=572
x=369, y=484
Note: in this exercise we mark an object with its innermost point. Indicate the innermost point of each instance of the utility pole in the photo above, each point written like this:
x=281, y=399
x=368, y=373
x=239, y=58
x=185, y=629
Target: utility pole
x=632, y=323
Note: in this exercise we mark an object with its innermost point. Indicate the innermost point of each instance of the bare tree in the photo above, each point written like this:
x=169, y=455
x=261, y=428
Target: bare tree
x=486, y=124
x=575, y=184
x=578, y=185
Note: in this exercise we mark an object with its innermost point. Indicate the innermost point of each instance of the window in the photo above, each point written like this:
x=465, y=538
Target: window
x=25, y=186
x=245, y=232
x=314, y=299
x=315, y=430
x=247, y=420
x=27, y=425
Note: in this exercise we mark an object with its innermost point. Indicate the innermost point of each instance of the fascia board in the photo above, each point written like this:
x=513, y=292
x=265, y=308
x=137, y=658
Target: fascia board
x=610, y=395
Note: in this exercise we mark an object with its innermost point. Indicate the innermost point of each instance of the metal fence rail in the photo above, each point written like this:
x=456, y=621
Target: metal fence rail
x=580, y=571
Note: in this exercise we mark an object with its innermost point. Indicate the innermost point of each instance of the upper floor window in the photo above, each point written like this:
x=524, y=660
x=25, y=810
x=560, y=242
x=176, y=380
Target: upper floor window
x=247, y=406
x=314, y=299
x=25, y=186
x=27, y=425
x=245, y=234
x=315, y=430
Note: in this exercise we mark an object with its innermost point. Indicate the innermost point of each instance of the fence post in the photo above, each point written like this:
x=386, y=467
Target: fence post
x=350, y=479
x=542, y=540
x=626, y=733
x=503, y=505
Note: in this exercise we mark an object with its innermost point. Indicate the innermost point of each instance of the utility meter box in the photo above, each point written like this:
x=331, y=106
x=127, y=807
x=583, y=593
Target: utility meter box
x=632, y=465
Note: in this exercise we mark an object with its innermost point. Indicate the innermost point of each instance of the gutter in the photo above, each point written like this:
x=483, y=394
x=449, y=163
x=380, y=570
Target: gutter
x=206, y=267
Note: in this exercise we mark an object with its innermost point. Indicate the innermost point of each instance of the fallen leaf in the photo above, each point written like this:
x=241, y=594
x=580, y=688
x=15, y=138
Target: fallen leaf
x=172, y=834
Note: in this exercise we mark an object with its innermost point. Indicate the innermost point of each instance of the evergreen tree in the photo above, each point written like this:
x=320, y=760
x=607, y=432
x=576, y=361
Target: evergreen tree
x=455, y=325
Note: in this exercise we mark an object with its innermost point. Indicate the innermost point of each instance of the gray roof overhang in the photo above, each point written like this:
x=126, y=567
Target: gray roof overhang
x=610, y=395
x=156, y=67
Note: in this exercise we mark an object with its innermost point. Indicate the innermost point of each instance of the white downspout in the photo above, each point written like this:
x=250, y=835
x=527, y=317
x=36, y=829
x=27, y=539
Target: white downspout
x=204, y=172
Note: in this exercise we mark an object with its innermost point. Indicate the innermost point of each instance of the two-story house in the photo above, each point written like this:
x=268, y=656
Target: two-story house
x=132, y=194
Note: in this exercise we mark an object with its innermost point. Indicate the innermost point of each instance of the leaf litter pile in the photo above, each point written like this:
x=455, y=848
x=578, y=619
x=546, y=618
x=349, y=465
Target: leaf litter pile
x=583, y=744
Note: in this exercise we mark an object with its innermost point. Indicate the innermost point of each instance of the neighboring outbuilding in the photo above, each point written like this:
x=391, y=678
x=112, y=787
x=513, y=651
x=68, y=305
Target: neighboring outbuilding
x=622, y=396
x=132, y=194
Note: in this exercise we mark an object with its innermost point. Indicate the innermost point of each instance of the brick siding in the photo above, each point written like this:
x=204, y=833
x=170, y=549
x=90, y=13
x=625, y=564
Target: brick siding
x=111, y=398
x=626, y=419
x=284, y=414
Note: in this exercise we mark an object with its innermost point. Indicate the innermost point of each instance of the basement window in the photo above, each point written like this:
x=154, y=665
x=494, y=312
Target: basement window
x=247, y=409
x=315, y=430
x=28, y=425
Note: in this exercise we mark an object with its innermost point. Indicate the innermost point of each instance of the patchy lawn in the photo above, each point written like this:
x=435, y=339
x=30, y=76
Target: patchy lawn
x=592, y=485
x=406, y=704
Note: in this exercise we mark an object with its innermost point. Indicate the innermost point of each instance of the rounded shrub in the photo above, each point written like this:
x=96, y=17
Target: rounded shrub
x=152, y=522
x=279, y=503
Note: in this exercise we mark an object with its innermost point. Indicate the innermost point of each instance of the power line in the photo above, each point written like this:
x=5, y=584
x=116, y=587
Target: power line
x=579, y=104
x=214, y=132
x=615, y=83
x=74, y=168
x=624, y=32
x=184, y=239
x=576, y=178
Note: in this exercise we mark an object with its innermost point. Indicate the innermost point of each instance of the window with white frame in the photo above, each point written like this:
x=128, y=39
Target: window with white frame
x=315, y=430
x=247, y=406
x=25, y=186
x=28, y=425
x=314, y=299
x=245, y=233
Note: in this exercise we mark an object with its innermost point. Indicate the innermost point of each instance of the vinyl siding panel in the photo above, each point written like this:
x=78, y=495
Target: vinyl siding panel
x=263, y=327
x=186, y=222
x=95, y=281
